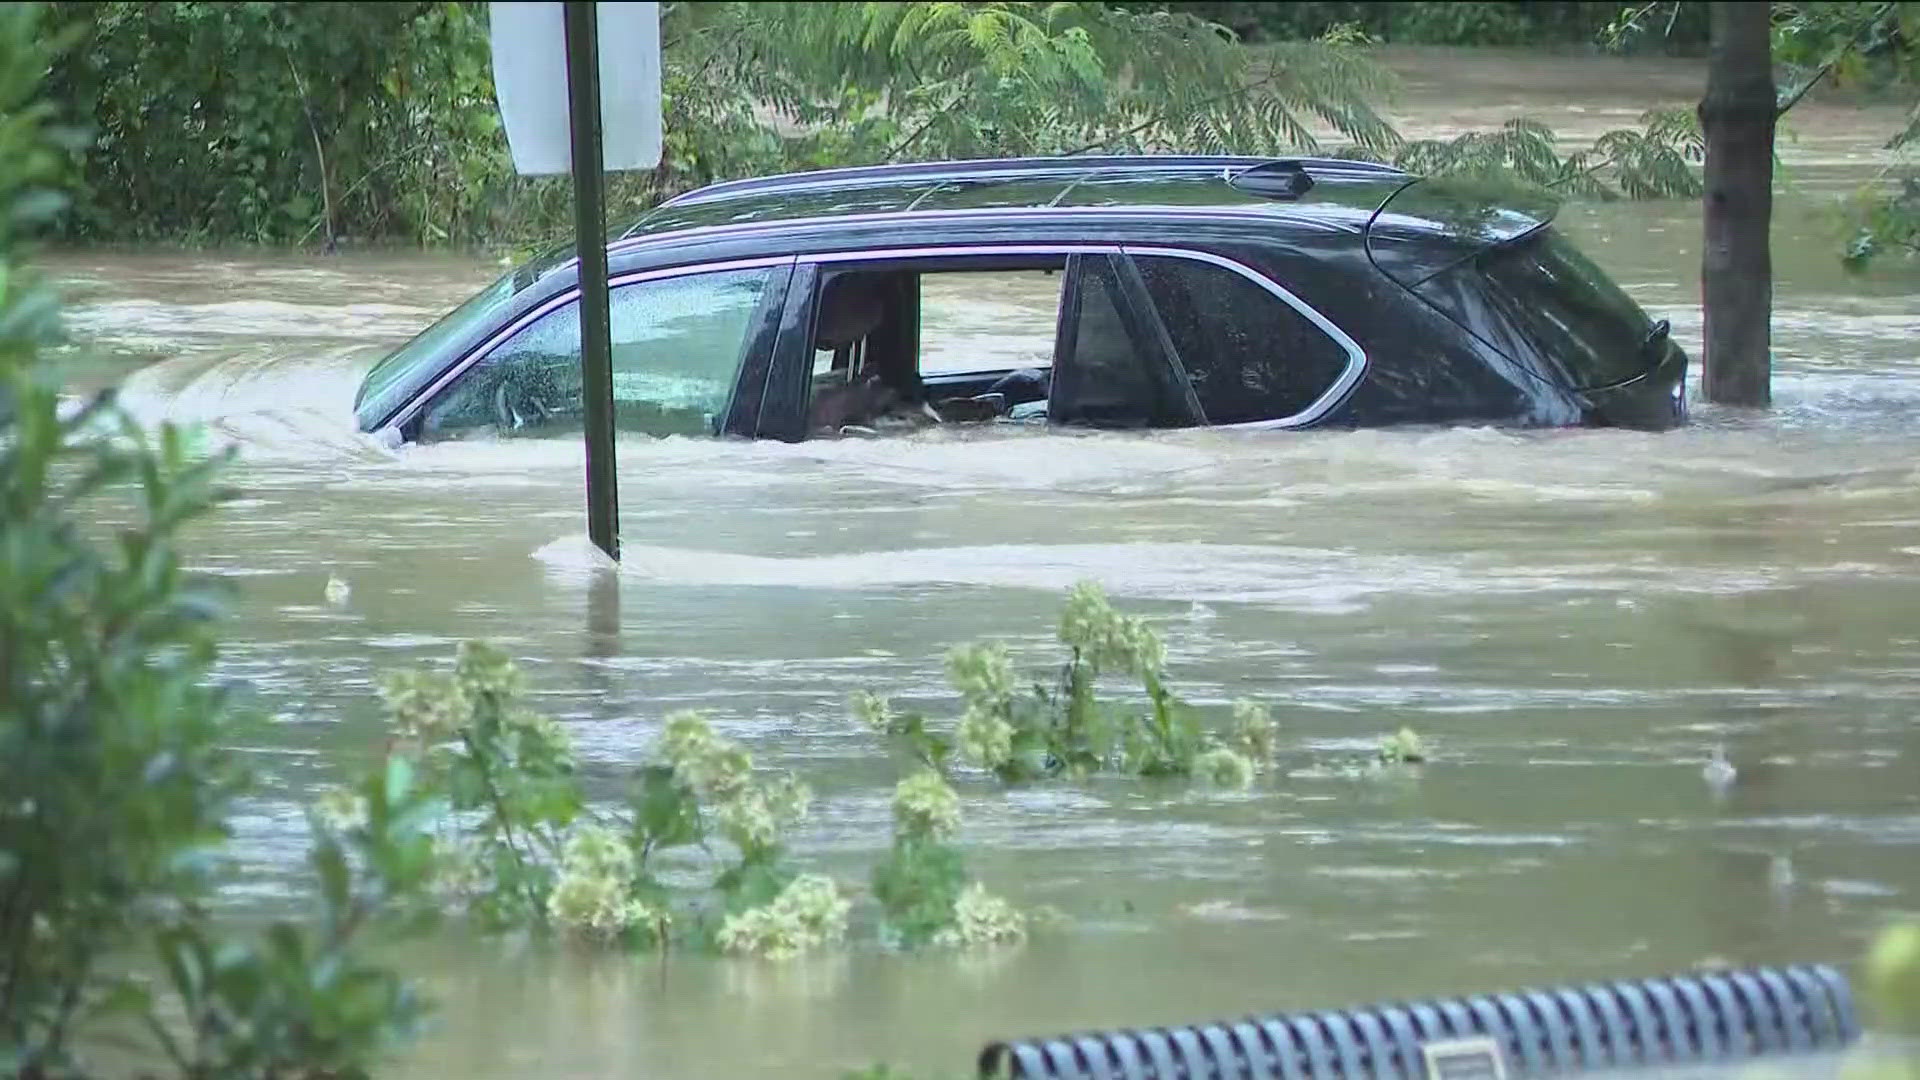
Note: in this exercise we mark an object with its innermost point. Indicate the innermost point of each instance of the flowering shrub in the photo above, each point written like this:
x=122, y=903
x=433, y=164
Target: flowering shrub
x=808, y=913
x=1403, y=747
x=1041, y=731
x=594, y=896
x=925, y=808
x=1224, y=767
x=925, y=895
x=519, y=849
x=981, y=918
x=507, y=773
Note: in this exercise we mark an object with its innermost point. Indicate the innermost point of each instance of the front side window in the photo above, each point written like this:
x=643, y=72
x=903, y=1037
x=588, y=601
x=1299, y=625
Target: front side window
x=1248, y=354
x=677, y=348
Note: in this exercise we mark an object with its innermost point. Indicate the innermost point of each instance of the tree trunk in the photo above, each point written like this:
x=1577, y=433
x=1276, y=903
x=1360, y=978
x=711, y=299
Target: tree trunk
x=1736, y=266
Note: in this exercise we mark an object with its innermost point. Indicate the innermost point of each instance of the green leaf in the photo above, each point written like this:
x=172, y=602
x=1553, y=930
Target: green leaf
x=666, y=813
x=399, y=779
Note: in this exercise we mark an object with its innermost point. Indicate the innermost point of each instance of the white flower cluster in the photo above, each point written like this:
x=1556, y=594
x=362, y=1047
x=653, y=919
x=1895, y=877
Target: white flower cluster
x=984, y=677
x=752, y=814
x=458, y=874
x=757, y=814
x=982, y=673
x=535, y=733
x=426, y=707
x=981, y=918
x=483, y=670
x=342, y=809
x=594, y=894
x=1106, y=639
x=706, y=762
x=808, y=913
x=1225, y=767
x=1403, y=747
x=925, y=808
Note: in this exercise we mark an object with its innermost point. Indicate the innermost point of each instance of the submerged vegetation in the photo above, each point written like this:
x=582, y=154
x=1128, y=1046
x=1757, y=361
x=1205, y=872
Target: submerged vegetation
x=696, y=856
x=1063, y=728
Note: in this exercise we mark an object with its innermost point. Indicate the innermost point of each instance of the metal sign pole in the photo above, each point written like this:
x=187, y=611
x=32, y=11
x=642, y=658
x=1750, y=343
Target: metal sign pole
x=590, y=239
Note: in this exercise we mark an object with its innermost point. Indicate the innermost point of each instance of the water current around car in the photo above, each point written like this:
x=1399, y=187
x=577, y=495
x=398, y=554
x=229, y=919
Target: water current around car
x=1573, y=619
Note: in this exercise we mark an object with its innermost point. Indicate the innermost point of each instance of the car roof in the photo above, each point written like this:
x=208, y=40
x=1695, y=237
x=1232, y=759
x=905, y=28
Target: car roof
x=919, y=195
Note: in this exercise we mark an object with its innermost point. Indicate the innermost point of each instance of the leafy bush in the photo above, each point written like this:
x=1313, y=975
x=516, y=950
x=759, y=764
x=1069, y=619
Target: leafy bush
x=119, y=787
x=1403, y=747
x=1065, y=729
x=1893, y=979
x=925, y=895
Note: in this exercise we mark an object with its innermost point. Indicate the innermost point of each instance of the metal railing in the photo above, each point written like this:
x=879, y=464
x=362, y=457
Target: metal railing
x=1699, y=1018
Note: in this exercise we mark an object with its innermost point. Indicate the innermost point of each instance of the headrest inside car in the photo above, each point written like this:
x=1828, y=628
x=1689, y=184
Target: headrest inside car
x=850, y=309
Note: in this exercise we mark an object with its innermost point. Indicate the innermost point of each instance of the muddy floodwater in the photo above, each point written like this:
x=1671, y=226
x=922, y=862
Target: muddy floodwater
x=1573, y=619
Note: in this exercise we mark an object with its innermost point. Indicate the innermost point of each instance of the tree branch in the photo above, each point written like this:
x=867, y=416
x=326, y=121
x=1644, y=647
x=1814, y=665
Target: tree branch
x=1826, y=68
x=896, y=149
x=1161, y=117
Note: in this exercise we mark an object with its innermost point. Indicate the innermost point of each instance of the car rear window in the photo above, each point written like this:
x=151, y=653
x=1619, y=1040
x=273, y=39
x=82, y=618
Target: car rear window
x=1248, y=354
x=1541, y=296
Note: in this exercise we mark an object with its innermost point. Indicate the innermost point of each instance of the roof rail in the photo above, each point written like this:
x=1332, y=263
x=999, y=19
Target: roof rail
x=1012, y=168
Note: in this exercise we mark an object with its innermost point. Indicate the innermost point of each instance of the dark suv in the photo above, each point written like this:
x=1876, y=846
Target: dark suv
x=1153, y=291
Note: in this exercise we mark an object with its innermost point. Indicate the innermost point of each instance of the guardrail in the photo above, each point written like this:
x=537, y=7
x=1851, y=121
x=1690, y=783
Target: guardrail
x=1698, y=1018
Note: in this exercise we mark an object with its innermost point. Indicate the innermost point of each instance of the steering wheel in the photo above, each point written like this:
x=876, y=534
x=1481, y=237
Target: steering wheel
x=516, y=407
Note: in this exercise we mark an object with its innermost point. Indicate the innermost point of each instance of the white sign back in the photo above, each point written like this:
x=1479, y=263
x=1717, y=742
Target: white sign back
x=530, y=79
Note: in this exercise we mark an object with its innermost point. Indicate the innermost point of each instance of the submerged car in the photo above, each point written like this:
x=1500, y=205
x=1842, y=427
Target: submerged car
x=1174, y=291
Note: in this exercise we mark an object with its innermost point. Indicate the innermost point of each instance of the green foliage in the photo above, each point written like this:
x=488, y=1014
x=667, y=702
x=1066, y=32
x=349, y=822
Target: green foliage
x=506, y=770
x=869, y=82
x=1881, y=221
x=1861, y=45
x=272, y=122
x=119, y=786
x=925, y=895
x=518, y=850
x=301, y=1002
x=1403, y=747
x=1065, y=728
x=378, y=120
x=1652, y=162
x=1678, y=27
x=1893, y=979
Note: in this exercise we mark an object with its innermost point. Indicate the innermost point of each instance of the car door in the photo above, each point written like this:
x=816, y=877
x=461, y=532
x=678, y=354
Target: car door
x=683, y=340
x=1109, y=366
x=1112, y=365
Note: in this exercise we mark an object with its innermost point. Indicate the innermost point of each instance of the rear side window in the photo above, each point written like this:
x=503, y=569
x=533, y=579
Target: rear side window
x=1249, y=354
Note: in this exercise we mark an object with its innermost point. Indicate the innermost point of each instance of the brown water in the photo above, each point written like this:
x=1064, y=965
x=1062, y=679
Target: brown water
x=1574, y=618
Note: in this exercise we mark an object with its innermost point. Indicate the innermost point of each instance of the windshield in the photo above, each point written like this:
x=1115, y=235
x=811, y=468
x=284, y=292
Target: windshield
x=395, y=378
x=1542, y=297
